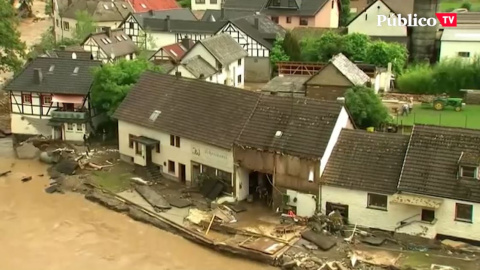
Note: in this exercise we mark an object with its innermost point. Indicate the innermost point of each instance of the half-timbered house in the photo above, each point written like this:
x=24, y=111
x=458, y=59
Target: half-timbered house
x=134, y=24
x=110, y=45
x=51, y=97
x=218, y=59
x=171, y=54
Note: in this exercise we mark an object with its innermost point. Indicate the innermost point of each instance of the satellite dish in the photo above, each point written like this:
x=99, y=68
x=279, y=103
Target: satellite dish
x=74, y=56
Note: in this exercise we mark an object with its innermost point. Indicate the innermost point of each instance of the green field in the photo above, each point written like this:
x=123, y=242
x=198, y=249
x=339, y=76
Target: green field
x=449, y=5
x=469, y=117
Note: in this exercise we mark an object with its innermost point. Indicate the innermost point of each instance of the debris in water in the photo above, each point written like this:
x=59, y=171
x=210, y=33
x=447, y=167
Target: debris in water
x=5, y=173
x=26, y=178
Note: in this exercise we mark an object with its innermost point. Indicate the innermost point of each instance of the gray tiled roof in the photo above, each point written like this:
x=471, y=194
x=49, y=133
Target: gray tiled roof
x=183, y=26
x=120, y=45
x=194, y=109
x=286, y=84
x=349, y=69
x=431, y=163
x=307, y=8
x=306, y=126
x=229, y=14
x=198, y=66
x=61, y=80
x=100, y=10
x=224, y=48
x=175, y=14
x=366, y=161
x=254, y=5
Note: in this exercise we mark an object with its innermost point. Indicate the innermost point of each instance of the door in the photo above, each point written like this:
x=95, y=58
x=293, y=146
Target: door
x=148, y=155
x=181, y=172
x=195, y=172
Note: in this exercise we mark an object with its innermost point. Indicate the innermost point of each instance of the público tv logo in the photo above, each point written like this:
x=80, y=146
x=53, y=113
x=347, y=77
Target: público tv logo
x=412, y=20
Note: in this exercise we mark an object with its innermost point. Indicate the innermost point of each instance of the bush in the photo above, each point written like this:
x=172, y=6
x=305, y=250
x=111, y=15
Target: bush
x=366, y=108
x=467, y=5
x=448, y=76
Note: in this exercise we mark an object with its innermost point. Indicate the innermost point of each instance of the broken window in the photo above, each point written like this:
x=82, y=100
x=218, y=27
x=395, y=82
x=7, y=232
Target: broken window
x=210, y=171
x=463, y=212
x=377, y=201
x=428, y=215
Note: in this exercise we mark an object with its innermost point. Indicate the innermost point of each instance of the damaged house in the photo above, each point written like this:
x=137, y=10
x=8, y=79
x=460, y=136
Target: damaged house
x=267, y=148
x=426, y=184
x=51, y=97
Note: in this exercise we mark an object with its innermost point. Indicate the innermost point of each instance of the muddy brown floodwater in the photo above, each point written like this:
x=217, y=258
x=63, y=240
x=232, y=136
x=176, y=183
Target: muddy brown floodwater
x=65, y=231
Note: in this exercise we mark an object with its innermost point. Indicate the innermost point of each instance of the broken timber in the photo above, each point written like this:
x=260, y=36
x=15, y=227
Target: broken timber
x=5, y=173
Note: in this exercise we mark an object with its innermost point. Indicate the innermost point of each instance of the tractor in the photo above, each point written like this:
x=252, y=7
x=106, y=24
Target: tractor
x=439, y=103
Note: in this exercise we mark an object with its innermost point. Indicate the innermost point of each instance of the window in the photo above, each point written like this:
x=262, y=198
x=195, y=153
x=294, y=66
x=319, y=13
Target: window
x=464, y=54
x=130, y=140
x=138, y=148
x=275, y=19
x=239, y=62
x=199, y=1
x=66, y=26
x=333, y=3
x=366, y=16
x=172, y=140
x=213, y=1
x=26, y=98
x=239, y=78
x=428, y=215
x=131, y=25
x=177, y=141
x=463, y=212
x=79, y=127
x=468, y=171
x=46, y=100
x=377, y=201
x=171, y=166
x=303, y=21
x=289, y=19
x=210, y=171
x=157, y=148
x=226, y=176
x=69, y=126
x=225, y=82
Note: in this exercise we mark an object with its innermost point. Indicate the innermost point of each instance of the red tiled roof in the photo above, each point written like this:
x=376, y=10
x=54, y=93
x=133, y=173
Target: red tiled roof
x=146, y=5
x=176, y=51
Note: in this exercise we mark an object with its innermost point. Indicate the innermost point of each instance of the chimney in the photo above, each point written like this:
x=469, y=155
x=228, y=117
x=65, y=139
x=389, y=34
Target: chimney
x=150, y=12
x=178, y=74
x=37, y=75
x=201, y=76
x=186, y=43
x=256, y=23
x=63, y=47
x=222, y=14
x=108, y=31
x=167, y=22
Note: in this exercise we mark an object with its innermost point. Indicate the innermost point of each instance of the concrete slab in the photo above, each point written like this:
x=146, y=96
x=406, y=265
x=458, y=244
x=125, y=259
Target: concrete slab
x=324, y=242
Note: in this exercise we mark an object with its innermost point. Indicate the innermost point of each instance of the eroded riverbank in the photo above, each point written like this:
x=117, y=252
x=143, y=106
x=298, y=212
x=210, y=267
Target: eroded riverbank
x=55, y=231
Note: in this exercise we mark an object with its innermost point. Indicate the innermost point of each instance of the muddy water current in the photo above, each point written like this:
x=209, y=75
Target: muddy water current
x=65, y=231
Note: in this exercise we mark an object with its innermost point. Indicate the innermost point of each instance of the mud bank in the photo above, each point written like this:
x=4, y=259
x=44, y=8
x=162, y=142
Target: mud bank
x=138, y=213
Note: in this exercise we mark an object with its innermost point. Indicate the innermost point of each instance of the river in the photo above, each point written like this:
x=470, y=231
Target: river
x=65, y=231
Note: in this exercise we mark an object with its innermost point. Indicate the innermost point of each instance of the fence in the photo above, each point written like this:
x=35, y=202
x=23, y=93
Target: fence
x=447, y=119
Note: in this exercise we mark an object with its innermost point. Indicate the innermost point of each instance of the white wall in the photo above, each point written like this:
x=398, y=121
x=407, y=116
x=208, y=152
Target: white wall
x=22, y=124
x=61, y=32
x=367, y=23
x=243, y=183
x=450, y=49
x=254, y=49
x=335, y=16
x=306, y=204
x=160, y=39
x=447, y=225
x=342, y=122
x=209, y=155
x=206, y=5
x=74, y=135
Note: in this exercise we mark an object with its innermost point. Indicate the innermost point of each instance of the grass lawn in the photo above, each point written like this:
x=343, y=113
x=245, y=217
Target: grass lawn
x=449, y=5
x=112, y=181
x=469, y=117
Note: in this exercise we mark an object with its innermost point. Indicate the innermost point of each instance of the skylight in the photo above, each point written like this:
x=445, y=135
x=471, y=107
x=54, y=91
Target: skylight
x=125, y=7
x=118, y=38
x=154, y=115
x=52, y=67
x=124, y=37
x=105, y=6
x=104, y=41
x=108, y=40
x=143, y=5
x=173, y=53
x=75, y=71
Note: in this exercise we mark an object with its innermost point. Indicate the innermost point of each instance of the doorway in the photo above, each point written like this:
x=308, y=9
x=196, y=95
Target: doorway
x=261, y=187
x=57, y=133
x=148, y=155
x=182, y=172
x=341, y=208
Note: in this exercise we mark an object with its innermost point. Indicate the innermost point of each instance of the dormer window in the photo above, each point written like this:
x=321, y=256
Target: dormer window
x=469, y=172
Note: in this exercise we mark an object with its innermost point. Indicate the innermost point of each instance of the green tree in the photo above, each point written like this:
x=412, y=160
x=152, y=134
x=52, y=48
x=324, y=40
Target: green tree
x=292, y=47
x=12, y=48
x=381, y=53
x=344, y=12
x=49, y=7
x=354, y=46
x=328, y=45
x=365, y=107
x=278, y=53
x=47, y=42
x=467, y=5
x=185, y=3
x=85, y=25
x=113, y=81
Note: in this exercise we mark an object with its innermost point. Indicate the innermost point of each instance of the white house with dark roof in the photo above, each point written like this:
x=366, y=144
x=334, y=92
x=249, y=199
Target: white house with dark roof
x=366, y=22
x=460, y=43
x=110, y=45
x=206, y=4
x=218, y=59
x=51, y=97
x=183, y=127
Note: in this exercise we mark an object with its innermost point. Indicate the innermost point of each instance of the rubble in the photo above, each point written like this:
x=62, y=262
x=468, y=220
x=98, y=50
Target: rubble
x=66, y=166
x=26, y=179
x=27, y=151
x=152, y=197
x=5, y=173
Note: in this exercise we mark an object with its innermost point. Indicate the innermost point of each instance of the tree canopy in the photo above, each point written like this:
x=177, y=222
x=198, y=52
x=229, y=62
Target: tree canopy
x=113, y=81
x=278, y=53
x=365, y=107
x=344, y=12
x=12, y=48
x=85, y=25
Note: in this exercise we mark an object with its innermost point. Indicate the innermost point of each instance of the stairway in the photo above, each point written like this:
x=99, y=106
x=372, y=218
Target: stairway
x=153, y=173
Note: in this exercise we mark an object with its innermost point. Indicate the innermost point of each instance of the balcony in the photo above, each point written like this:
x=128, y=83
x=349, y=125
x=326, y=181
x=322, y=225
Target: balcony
x=71, y=115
